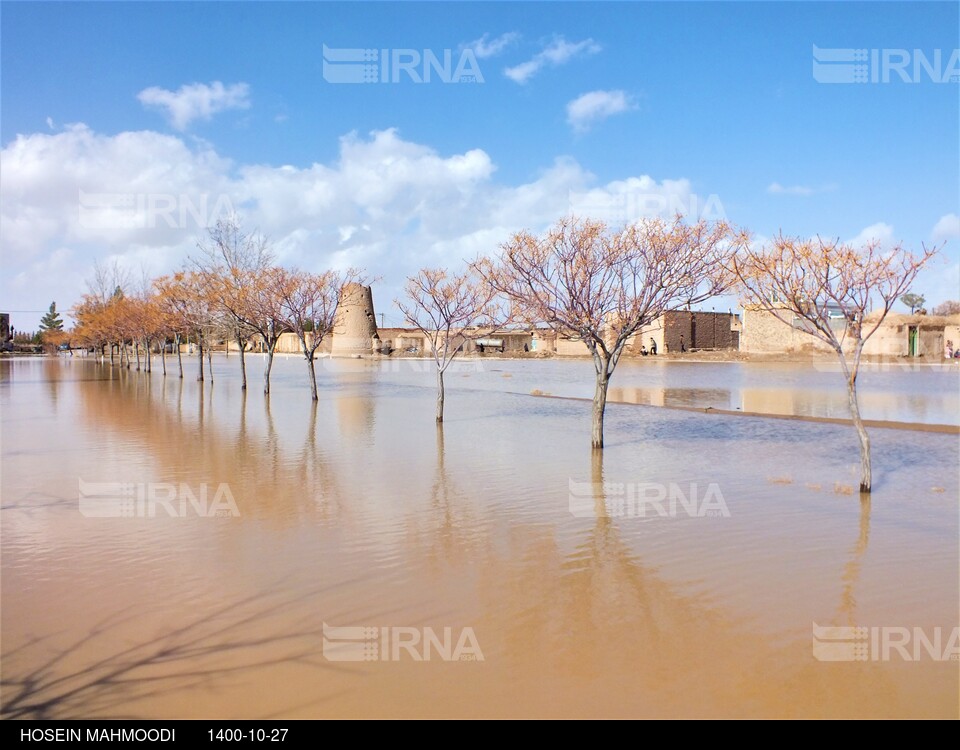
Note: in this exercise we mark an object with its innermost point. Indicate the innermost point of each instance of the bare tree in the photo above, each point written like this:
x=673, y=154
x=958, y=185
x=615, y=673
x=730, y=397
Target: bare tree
x=950, y=307
x=450, y=310
x=814, y=282
x=231, y=261
x=265, y=315
x=175, y=301
x=108, y=279
x=602, y=286
x=187, y=303
x=107, y=288
x=309, y=303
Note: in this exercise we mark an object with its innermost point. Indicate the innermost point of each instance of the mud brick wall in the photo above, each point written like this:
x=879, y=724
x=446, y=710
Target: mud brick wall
x=700, y=330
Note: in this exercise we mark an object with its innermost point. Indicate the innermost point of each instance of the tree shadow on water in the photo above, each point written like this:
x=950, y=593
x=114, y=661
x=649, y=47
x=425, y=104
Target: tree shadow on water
x=109, y=669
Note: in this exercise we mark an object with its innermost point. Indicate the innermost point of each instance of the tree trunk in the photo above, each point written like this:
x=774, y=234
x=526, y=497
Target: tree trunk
x=163, y=354
x=200, y=358
x=866, y=479
x=271, y=344
x=210, y=362
x=439, y=396
x=243, y=362
x=111, y=354
x=136, y=349
x=266, y=370
x=176, y=343
x=599, y=405
x=147, y=345
x=850, y=373
x=313, y=376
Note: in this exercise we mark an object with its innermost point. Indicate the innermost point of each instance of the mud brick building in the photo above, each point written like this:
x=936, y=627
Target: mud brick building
x=699, y=330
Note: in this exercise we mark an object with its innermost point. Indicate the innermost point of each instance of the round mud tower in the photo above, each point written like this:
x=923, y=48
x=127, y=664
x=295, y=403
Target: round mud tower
x=355, y=325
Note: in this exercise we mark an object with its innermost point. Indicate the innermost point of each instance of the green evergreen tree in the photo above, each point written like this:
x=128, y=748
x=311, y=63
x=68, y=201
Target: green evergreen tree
x=51, y=321
x=913, y=301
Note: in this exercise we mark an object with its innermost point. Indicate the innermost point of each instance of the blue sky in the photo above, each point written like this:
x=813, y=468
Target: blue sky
x=618, y=105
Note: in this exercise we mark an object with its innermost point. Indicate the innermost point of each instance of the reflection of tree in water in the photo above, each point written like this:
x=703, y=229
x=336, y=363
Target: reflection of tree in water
x=851, y=573
x=181, y=438
x=583, y=620
x=53, y=373
x=103, y=674
x=356, y=415
x=315, y=474
x=588, y=608
x=447, y=538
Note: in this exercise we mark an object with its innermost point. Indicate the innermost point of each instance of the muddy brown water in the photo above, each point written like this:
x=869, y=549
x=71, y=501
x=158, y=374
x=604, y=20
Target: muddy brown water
x=567, y=600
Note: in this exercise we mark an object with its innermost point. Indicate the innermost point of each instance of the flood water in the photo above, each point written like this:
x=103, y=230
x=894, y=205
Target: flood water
x=119, y=600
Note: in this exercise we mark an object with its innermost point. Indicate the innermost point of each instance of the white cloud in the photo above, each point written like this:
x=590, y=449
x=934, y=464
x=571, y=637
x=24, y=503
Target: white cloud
x=587, y=109
x=196, y=101
x=486, y=47
x=947, y=228
x=558, y=52
x=387, y=204
x=775, y=188
x=879, y=232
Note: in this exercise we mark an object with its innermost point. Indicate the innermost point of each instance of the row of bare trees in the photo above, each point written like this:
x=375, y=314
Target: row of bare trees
x=581, y=278
x=230, y=291
x=601, y=285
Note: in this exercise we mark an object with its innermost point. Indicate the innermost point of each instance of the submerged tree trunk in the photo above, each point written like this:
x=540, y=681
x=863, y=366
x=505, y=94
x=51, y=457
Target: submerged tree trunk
x=599, y=403
x=313, y=376
x=136, y=349
x=439, y=395
x=243, y=362
x=267, y=368
x=176, y=343
x=271, y=343
x=210, y=362
x=866, y=479
x=147, y=346
x=163, y=355
x=200, y=358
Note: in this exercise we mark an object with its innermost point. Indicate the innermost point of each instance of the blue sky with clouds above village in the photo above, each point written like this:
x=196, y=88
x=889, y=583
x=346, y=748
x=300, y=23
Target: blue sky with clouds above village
x=125, y=126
